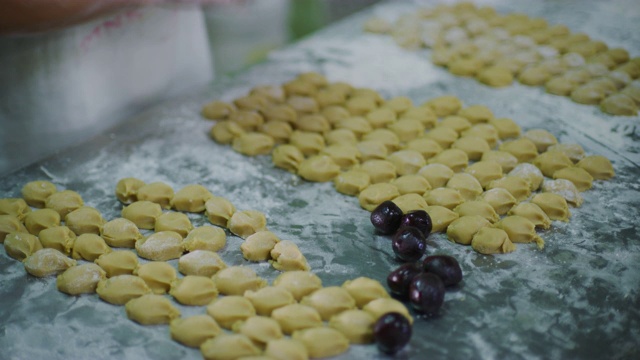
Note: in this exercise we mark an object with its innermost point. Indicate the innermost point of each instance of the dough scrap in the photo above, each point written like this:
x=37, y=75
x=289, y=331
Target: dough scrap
x=156, y=192
x=319, y=168
x=121, y=262
x=173, y=221
x=205, y=237
x=228, y=347
x=89, y=247
x=194, y=290
x=436, y=174
x=490, y=241
x=21, y=245
x=295, y=317
x=38, y=220
x=247, y=222
x=151, y=309
x=219, y=210
x=227, y=310
x=143, y=213
x=63, y=202
x=554, y=205
x=463, y=229
x=287, y=257
x=194, y=330
x=322, y=341
x=36, y=192
x=352, y=182
x=119, y=289
x=80, y=279
x=235, y=280
x=158, y=275
x=191, y=198
x=269, y=298
x=160, y=246
x=260, y=329
x=200, y=262
x=520, y=230
x=257, y=247
x=376, y=194
x=120, y=233
x=298, y=283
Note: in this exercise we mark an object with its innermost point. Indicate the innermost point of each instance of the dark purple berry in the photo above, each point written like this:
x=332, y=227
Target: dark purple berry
x=408, y=244
x=445, y=266
x=386, y=217
x=392, y=332
x=426, y=293
x=419, y=219
x=400, y=279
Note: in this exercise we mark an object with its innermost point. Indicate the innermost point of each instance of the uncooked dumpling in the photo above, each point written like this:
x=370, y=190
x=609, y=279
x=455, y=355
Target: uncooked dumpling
x=9, y=224
x=235, y=280
x=160, y=246
x=298, y=283
x=436, y=174
x=84, y=220
x=269, y=298
x=257, y=247
x=228, y=347
x=142, y=213
x=191, y=198
x=296, y=317
x=15, y=206
x=36, y=192
x=578, y=176
x=80, y=279
x=89, y=247
x=287, y=157
x=21, y=245
x=564, y=188
x=64, y=202
x=520, y=230
x=555, y=206
x=500, y=200
x=322, y=342
x=194, y=330
x=352, y=182
x=260, y=329
x=441, y=217
x=119, y=262
x=247, y=222
x=319, y=168
x=119, y=289
x=287, y=257
x=376, y=194
x=410, y=202
x=173, y=221
x=45, y=262
x=205, y=237
x=355, y=324
x=518, y=187
x=194, y=290
x=329, y=301
x=120, y=233
x=380, y=171
x=463, y=229
x=364, y=290
x=219, y=210
x=200, y=262
x=151, y=309
x=158, y=275
x=156, y=192
x=379, y=307
x=598, y=166
x=477, y=207
x=468, y=186
x=550, y=162
x=286, y=348
x=490, y=240
x=485, y=171
x=533, y=213
x=227, y=310
x=60, y=238
x=446, y=197
x=528, y=172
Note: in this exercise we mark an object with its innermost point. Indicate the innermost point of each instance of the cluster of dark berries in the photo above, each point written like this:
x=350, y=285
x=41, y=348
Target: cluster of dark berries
x=423, y=285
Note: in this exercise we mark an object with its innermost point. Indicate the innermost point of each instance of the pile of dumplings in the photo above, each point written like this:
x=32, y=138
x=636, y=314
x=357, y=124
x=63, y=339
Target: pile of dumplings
x=498, y=49
x=474, y=173
x=126, y=261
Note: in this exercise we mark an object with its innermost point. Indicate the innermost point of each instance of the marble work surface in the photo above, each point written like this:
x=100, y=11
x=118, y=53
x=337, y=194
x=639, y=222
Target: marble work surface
x=576, y=299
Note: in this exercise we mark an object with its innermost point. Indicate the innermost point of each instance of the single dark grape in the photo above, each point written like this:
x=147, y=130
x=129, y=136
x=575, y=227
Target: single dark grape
x=445, y=266
x=386, y=217
x=408, y=244
x=426, y=293
x=400, y=279
x=419, y=219
x=392, y=332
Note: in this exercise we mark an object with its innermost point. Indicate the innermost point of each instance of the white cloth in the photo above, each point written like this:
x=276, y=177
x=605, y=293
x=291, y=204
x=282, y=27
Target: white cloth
x=62, y=88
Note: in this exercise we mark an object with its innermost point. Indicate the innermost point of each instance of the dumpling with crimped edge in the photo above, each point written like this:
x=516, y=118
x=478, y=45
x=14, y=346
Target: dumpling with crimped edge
x=269, y=298
x=217, y=110
x=257, y=247
x=280, y=131
x=490, y=241
x=410, y=202
x=260, y=329
x=151, y=309
x=381, y=117
x=307, y=142
x=223, y=132
x=158, y=275
x=541, y=138
x=14, y=206
x=379, y=307
x=84, y=220
x=21, y=245
x=411, y=184
x=372, y=150
x=322, y=342
x=191, y=198
x=120, y=233
x=46, y=262
x=210, y=238
x=533, y=213
x=485, y=171
x=554, y=205
x=143, y=213
x=444, y=105
x=384, y=136
x=156, y=192
x=425, y=115
x=287, y=257
x=80, y=279
x=318, y=168
x=455, y=122
x=575, y=152
x=352, y=182
x=380, y=171
x=219, y=210
x=119, y=289
x=227, y=310
x=520, y=230
x=344, y=155
x=329, y=301
x=9, y=224
x=89, y=247
x=516, y=186
x=340, y=136
x=118, y=262
x=287, y=157
x=160, y=246
x=247, y=222
x=63, y=202
x=467, y=185
x=426, y=147
x=173, y=221
x=296, y=317
x=507, y=128
x=564, y=188
x=463, y=229
x=522, y=148
x=36, y=192
x=356, y=325
x=441, y=217
x=407, y=161
x=578, y=176
x=487, y=132
x=551, y=161
x=248, y=120
x=446, y=197
x=364, y=290
x=376, y=194
x=598, y=166
x=38, y=220
x=235, y=280
x=444, y=136
x=192, y=331
x=529, y=172
x=455, y=159
x=194, y=290
x=505, y=159
x=500, y=200
x=298, y=283
x=436, y=174
x=200, y=262
x=477, y=207
x=227, y=347
x=407, y=129
x=474, y=146
x=286, y=348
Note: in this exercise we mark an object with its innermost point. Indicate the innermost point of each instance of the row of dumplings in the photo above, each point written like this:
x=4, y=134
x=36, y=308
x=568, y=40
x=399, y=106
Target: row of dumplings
x=496, y=49
x=450, y=160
